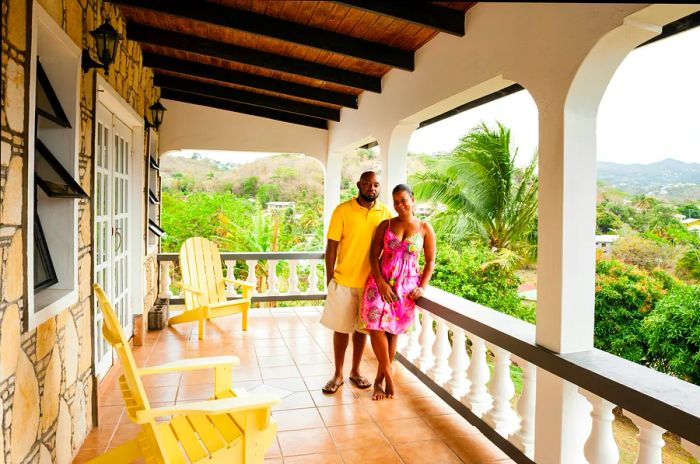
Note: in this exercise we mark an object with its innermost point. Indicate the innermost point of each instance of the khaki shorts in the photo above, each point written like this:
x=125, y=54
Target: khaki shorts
x=341, y=312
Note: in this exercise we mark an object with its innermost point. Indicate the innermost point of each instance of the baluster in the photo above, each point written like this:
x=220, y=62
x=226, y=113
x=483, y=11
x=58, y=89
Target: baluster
x=272, y=277
x=600, y=448
x=478, y=398
x=501, y=416
x=440, y=372
x=313, y=276
x=230, y=288
x=426, y=340
x=412, y=349
x=293, y=277
x=650, y=440
x=459, y=362
x=524, y=438
x=252, y=279
x=165, y=279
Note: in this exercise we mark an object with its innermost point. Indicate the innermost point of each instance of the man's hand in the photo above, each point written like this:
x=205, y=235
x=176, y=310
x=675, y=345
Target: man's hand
x=331, y=253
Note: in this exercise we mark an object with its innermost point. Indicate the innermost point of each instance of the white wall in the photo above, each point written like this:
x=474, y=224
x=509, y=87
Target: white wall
x=187, y=126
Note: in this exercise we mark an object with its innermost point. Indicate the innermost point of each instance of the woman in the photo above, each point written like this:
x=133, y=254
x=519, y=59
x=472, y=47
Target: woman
x=396, y=281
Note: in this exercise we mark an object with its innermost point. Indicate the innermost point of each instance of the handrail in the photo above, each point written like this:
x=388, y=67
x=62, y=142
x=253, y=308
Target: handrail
x=666, y=401
x=255, y=255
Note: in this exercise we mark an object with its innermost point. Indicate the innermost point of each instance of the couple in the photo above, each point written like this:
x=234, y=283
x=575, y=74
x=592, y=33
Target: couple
x=373, y=278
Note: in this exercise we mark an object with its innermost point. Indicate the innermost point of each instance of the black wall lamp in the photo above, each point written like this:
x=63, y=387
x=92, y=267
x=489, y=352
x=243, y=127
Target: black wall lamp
x=106, y=40
x=157, y=110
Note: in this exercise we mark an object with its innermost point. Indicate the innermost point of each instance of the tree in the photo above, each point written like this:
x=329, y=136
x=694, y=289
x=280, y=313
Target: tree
x=487, y=197
x=690, y=210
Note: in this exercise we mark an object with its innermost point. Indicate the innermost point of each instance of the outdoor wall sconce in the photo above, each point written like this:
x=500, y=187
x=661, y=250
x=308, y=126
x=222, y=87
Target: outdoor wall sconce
x=157, y=110
x=106, y=40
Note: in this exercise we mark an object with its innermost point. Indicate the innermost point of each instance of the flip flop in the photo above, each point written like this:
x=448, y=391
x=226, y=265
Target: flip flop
x=360, y=382
x=332, y=387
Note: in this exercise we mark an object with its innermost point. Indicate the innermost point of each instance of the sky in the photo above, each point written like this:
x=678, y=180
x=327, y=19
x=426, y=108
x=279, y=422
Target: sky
x=650, y=112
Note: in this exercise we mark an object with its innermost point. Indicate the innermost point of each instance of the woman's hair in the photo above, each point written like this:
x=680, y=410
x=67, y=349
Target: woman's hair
x=403, y=188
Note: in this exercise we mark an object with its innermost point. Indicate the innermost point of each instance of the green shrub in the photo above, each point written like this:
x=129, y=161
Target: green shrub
x=673, y=333
x=624, y=295
x=473, y=273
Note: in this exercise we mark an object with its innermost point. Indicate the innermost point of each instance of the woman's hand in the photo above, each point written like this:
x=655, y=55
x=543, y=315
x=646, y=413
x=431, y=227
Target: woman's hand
x=416, y=293
x=387, y=293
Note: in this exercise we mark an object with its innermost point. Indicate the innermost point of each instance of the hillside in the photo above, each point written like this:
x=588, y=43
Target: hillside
x=669, y=179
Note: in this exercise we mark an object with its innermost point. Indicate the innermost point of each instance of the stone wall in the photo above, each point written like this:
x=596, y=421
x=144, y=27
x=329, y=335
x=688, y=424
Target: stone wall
x=46, y=374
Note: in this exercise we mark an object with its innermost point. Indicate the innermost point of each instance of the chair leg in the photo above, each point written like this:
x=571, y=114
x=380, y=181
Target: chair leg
x=201, y=328
x=244, y=319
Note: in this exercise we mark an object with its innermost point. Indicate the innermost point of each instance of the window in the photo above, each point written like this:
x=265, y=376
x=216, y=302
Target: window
x=52, y=188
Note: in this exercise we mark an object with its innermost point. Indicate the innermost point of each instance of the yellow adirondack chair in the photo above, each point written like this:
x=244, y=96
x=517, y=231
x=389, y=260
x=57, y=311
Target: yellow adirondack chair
x=226, y=429
x=204, y=285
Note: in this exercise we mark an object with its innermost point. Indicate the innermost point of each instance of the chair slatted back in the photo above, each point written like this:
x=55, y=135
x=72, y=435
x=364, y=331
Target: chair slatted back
x=202, y=270
x=130, y=381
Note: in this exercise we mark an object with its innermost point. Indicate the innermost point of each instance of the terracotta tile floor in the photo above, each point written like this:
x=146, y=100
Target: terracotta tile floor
x=288, y=352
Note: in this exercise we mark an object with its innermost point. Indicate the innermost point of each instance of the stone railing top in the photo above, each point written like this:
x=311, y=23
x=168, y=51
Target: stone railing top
x=666, y=401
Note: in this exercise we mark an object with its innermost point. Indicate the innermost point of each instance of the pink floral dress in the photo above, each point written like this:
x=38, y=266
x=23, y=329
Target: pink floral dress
x=399, y=266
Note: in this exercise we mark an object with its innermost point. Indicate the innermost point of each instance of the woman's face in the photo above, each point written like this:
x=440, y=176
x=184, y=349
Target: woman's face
x=403, y=203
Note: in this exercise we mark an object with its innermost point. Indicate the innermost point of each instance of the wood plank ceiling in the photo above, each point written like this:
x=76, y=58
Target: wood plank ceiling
x=293, y=61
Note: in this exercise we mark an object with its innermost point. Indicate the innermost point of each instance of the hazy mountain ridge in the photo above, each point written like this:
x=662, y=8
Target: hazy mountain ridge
x=669, y=178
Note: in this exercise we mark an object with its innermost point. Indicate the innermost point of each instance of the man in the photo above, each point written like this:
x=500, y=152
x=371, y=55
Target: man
x=347, y=268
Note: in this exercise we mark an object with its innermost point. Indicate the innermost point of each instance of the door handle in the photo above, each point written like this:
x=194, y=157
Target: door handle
x=118, y=236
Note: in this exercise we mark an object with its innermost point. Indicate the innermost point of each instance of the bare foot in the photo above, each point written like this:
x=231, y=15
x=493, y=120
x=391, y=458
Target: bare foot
x=378, y=393
x=390, y=389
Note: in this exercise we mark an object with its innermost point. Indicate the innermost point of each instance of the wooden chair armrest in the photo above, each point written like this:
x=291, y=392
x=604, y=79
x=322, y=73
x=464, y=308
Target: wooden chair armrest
x=242, y=283
x=222, y=406
x=191, y=364
x=187, y=288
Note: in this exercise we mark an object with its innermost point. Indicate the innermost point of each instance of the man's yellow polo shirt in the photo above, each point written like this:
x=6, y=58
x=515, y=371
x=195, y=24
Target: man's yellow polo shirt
x=353, y=227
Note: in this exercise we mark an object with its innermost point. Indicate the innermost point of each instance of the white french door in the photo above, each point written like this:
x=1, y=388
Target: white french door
x=112, y=222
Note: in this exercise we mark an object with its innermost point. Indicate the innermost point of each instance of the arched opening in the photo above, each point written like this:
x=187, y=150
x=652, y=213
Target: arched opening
x=475, y=177
x=242, y=201
x=648, y=208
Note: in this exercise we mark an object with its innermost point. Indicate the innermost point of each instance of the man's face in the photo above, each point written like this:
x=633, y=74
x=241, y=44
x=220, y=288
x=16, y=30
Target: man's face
x=368, y=187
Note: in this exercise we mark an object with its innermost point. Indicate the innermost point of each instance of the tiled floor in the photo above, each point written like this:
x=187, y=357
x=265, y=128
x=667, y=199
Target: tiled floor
x=288, y=352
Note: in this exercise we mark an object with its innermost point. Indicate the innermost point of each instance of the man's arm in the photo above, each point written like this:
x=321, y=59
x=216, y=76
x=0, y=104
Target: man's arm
x=331, y=254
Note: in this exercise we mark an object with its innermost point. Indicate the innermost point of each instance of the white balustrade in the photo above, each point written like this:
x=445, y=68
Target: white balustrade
x=524, y=438
x=412, y=349
x=502, y=416
x=458, y=383
x=230, y=288
x=426, y=340
x=272, y=277
x=165, y=279
x=650, y=438
x=313, y=276
x=293, y=277
x=440, y=372
x=252, y=279
x=478, y=398
x=600, y=448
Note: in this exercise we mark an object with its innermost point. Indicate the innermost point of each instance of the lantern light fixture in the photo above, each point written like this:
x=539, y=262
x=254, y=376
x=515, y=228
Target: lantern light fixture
x=106, y=41
x=157, y=110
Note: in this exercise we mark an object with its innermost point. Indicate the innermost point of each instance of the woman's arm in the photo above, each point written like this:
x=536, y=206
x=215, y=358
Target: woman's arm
x=429, y=251
x=375, y=252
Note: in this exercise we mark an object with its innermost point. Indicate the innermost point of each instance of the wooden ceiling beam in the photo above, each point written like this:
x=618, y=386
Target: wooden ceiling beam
x=242, y=96
x=213, y=48
x=424, y=14
x=231, y=76
x=268, y=26
x=252, y=110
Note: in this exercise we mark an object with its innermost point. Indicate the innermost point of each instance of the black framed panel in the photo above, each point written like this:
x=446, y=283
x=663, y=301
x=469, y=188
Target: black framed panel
x=52, y=177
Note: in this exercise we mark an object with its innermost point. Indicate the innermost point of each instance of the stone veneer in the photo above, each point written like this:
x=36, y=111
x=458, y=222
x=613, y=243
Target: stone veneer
x=46, y=374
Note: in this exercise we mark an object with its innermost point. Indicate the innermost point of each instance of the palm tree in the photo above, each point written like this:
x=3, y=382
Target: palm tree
x=486, y=197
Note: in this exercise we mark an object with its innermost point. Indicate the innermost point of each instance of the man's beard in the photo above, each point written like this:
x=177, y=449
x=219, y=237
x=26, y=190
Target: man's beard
x=369, y=197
